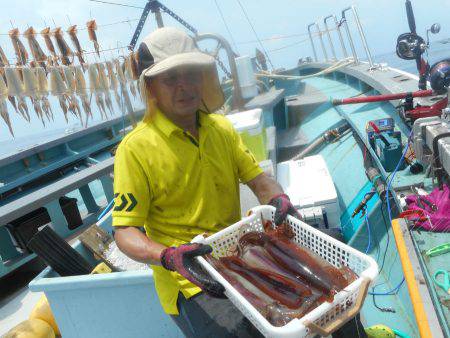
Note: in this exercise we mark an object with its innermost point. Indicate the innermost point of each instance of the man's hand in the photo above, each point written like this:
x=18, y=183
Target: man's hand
x=182, y=259
x=283, y=208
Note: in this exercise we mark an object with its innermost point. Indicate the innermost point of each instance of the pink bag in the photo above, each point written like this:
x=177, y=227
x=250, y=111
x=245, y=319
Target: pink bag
x=433, y=210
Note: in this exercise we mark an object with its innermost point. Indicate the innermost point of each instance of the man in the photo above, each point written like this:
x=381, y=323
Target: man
x=181, y=168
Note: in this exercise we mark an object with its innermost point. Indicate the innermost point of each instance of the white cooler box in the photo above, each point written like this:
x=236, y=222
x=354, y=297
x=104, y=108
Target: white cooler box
x=309, y=185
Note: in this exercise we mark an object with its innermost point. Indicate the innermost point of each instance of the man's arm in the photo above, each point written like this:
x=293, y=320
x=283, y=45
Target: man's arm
x=264, y=187
x=136, y=245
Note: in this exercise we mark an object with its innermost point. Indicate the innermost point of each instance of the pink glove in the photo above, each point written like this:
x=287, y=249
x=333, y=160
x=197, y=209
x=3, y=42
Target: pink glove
x=182, y=259
x=283, y=208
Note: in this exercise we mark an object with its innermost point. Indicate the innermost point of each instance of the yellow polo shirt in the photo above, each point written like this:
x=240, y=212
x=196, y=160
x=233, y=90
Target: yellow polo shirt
x=178, y=187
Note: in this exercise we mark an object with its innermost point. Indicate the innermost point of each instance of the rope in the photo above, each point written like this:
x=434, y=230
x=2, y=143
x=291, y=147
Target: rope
x=256, y=34
x=332, y=68
x=226, y=25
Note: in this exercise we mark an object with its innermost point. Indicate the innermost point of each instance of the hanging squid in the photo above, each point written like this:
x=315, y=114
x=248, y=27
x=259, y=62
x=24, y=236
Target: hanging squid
x=91, y=28
x=129, y=75
x=3, y=59
x=19, y=48
x=15, y=89
x=81, y=91
x=36, y=50
x=31, y=85
x=66, y=52
x=46, y=34
x=94, y=84
x=43, y=92
x=58, y=88
x=104, y=86
x=3, y=63
x=74, y=107
x=3, y=107
x=72, y=31
x=113, y=82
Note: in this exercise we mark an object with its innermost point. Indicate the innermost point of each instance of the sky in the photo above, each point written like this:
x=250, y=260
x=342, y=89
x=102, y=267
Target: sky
x=281, y=24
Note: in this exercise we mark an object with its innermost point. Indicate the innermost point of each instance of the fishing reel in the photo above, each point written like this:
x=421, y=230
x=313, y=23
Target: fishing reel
x=440, y=76
x=410, y=46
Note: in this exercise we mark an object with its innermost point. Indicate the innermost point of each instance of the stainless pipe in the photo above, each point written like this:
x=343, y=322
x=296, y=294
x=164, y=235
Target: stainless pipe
x=363, y=37
x=350, y=40
x=321, y=41
x=329, y=35
x=238, y=101
x=311, y=40
x=341, y=40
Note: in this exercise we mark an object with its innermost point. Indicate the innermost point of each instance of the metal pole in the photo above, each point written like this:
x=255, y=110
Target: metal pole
x=158, y=17
x=363, y=37
x=237, y=96
x=338, y=28
x=329, y=36
x=350, y=40
x=311, y=40
x=321, y=41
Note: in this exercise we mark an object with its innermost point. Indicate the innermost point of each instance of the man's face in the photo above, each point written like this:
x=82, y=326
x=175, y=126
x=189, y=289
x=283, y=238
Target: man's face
x=178, y=91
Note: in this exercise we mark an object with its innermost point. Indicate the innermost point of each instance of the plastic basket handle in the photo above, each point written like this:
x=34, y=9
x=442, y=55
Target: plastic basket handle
x=338, y=322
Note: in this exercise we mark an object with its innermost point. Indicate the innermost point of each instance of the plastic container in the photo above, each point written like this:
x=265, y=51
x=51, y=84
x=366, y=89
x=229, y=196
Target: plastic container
x=309, y=185
x=250, y=126
x=110, y=305
x=247, y=78
x=327, y=317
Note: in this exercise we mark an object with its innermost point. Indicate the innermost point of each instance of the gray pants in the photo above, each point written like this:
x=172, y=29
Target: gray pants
x=204, y=316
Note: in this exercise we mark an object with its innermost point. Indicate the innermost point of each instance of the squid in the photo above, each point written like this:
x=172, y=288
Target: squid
x=31, y=90
x=3, y=107
x=16, y=89
x=113, y=82
x=280, y=288
x=19, y=48
x=43, y=92
x=46, y=34
x=74, y=107
x=58, y=88
x=91, y=28
x=36, y=50
x=72, y=31
x=3, y=63
x=129, y=75
x=94, y=84
x=300, y=261
x=66, y=52
x=277, y=314
x=80, y=89
x=3, y=59
x=104, y=86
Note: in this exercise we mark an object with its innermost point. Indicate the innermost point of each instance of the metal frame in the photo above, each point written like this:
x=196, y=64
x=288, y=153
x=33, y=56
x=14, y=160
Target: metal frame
x=342, y=22
x=311, y=40
x=329, y=36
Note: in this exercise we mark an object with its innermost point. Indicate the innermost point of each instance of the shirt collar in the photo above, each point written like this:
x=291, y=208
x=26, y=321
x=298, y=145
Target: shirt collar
x=168, y=127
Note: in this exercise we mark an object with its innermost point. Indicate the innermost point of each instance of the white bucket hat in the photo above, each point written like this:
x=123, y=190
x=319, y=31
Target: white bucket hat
x=168, y=48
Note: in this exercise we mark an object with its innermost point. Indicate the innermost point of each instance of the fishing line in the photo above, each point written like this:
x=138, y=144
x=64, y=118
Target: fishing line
x=254, y=31
x=395, y=290
x=226, y=25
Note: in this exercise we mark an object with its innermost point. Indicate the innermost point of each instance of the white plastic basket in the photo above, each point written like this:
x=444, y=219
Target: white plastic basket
x=327, y=317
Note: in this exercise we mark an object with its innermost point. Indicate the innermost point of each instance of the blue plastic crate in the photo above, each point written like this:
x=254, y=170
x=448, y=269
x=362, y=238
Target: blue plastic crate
x=119, y=304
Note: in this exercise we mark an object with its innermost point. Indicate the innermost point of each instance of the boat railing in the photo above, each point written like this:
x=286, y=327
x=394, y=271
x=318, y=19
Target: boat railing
x=47, y=197
x=338, y=24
